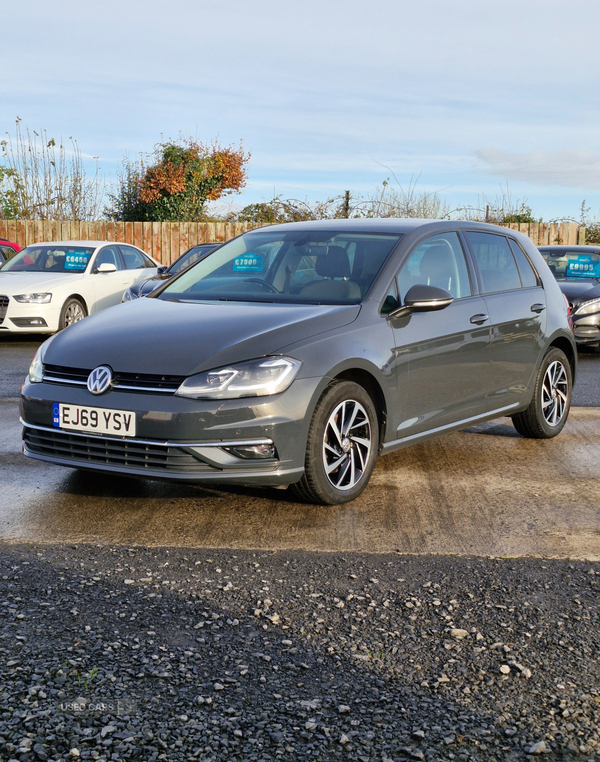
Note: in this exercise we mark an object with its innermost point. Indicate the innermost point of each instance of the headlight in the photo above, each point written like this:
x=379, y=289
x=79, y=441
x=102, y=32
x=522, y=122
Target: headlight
x=127, y=296
x=36, y=369
x=255, y=378
x=593, y=305
x=33, y=298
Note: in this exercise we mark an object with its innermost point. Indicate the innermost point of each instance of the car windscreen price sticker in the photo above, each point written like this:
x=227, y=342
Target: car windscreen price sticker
x=76, y=260
x=248, y=263
x=583, y=267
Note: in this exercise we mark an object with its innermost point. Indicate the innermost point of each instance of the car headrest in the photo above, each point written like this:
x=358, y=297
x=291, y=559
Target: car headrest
x=334, y=264
x=437, y=260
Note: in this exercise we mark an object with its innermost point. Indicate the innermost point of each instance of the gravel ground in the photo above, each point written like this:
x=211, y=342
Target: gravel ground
x=115, y=653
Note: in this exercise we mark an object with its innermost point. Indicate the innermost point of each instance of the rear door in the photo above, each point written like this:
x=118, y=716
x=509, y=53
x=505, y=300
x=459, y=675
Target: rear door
x=442, y=357
x=516, y=304
x=137, y=265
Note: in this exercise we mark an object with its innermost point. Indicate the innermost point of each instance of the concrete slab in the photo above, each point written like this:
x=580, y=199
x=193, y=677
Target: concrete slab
x=485, y=491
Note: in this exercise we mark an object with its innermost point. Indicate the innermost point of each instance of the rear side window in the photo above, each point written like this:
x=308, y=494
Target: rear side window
x=496, y=263
x=6, y=252
x=134, y=259
x=528, y=276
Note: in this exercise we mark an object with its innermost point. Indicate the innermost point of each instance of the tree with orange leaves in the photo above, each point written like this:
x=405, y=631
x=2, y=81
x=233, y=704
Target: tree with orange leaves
x=177, y=182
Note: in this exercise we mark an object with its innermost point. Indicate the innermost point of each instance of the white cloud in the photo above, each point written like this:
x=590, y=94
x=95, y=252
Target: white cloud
x=571, y=168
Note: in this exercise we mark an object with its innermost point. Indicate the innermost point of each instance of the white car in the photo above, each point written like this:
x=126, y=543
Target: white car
x=48, y=286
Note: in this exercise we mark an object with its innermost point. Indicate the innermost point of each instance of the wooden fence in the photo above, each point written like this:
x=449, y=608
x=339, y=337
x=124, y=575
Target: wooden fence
x=165, y=241
x=551, y=233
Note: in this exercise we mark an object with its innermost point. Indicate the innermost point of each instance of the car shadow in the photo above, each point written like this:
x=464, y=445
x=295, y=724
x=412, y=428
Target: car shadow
x=494, y=429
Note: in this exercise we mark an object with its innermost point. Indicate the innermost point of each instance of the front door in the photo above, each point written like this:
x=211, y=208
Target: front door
x=108, y=287
x=443, y=357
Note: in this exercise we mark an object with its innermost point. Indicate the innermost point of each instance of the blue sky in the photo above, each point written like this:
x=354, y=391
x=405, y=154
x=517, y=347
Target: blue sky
x=468, y=96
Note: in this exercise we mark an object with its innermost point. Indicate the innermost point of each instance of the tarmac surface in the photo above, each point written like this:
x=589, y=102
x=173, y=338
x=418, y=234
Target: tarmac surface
x=484, y=491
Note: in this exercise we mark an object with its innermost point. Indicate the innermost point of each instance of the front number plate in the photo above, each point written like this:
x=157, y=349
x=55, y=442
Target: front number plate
x=98, y=420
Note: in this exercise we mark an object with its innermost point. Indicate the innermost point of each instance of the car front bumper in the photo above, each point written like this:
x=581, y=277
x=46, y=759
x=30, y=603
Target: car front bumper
x=28, y=318
x=177, y=439
x=587, y=328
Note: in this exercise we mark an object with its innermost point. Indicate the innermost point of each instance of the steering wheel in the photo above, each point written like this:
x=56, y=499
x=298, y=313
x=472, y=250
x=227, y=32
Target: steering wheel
x=263, y=283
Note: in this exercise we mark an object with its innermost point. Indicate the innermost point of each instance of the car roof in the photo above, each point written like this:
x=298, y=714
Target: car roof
x=399, y=225
x=95, y=244
x=564, y=247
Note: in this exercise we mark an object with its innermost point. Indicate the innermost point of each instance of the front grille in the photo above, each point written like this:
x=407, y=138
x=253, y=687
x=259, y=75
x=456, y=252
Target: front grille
x=143, y=381
x=136, y=382
x=3, y=308
x=112, y=452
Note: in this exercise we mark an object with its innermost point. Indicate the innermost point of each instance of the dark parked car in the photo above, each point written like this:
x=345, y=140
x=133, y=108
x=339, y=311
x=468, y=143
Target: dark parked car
x=577, y=270
x=297, y=353
x=187, y=259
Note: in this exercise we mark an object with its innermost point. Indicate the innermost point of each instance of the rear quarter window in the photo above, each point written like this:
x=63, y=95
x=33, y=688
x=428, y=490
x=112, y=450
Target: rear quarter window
x=528, y=275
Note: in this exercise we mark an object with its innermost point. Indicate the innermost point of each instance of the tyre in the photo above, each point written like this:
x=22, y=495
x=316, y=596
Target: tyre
x=72, y=312
x=549, y=409
x=341, y=447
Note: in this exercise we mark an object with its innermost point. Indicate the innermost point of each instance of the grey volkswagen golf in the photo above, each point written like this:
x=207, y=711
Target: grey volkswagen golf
x=296, y=354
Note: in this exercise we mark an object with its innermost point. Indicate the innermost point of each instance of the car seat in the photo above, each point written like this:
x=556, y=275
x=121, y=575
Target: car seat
x=438, y=268
x=331, y=266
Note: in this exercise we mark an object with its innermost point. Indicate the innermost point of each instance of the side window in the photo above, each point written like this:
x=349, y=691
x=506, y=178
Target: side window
x=497, y=265
x=134, y=259
x=436, y=261
x=6, y=251
x=108, y=256
x=528, y=276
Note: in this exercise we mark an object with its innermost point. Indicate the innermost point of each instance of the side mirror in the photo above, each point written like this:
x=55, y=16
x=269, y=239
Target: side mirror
x=106, y=267
x=421, y=298
x=162, y=269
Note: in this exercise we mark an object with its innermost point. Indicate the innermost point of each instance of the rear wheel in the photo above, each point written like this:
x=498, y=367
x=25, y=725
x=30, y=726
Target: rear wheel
x=549, y=409
x=341, y=447
x=72, y=312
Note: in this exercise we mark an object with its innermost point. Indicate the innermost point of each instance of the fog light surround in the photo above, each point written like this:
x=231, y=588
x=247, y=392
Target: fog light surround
x=253, y=452
x=32, y=321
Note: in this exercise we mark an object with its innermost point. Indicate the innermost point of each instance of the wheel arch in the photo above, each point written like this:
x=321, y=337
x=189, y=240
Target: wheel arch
x=563, y=343
x=79, y=298
x=368, y=381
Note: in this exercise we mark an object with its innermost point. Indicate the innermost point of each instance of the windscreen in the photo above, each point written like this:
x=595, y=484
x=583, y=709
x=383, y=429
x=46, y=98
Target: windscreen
x=303, y=267
x=188, y=259
x=50, y=259
x=573, y=264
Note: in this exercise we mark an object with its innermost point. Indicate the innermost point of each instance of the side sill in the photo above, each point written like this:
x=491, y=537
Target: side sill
x=399, y=444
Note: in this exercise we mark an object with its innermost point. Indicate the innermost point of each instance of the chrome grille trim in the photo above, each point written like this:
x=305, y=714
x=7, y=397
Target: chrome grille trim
x=142, y=389
x=157, y=442
x=130, y=382
x=53, y=380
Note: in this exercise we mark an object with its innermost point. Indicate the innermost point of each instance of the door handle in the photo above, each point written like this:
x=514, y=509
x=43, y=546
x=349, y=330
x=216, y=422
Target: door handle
x=538, y=308
x=479, y=319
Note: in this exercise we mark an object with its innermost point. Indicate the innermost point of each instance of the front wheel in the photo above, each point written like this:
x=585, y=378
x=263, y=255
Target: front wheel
x=342, y=446
x=549, y=409
x=72, y=312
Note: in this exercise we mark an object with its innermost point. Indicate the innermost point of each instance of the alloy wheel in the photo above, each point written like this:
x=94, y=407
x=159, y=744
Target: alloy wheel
x=554, y=393
x=74, y=313
x=346, y=444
